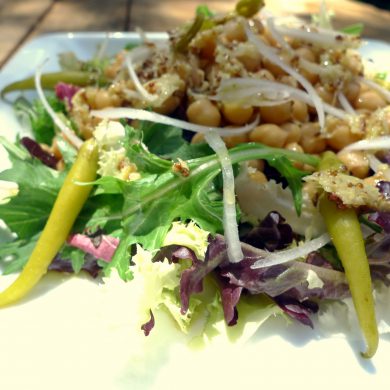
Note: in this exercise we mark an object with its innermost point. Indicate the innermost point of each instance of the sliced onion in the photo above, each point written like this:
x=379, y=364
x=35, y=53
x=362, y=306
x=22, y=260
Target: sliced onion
x=66, y=131
x=277, y=36
x=377, y=143
x=280, y=257
x=233, y=243
x=372, y=84
x=267, y=52
x=139, y=54
x=345, y=104
x=241, y=88
x=134, y=113
x=329, y=71
x=323, y=37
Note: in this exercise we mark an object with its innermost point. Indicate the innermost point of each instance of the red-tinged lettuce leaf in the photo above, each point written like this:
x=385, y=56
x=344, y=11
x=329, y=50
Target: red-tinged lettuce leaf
x=65, y=92
x=102, y=246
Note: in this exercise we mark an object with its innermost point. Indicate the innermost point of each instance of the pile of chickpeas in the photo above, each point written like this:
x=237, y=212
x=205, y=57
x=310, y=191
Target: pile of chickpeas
x=293, y=125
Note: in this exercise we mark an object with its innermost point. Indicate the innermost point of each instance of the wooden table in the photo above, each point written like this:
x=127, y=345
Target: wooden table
x=21, y=20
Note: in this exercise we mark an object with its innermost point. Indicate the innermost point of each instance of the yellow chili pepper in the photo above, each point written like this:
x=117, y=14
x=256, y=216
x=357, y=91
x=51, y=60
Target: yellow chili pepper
x=344, y=229
x=67, y=207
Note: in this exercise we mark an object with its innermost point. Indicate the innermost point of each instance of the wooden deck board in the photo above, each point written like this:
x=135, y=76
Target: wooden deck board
x=17, y=20
x=86, y=15
x=21, y=20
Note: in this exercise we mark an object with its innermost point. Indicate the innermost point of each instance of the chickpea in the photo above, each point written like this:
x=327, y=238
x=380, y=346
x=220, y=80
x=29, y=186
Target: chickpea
x=306, y=53
x=351, y=91
x=203, y=112
x=90, y=94
x=102, y=99
x=235, y=140
x=356, y=163
x=265, y=74
x=312, y=141
x=168, y=105
x=257, y=164
x=300, y=111
x=207, y=45
x=247, y=54
x=325, y=93
x=258, y=177
x=275, y=69
x=313, y=78
x=276, y=114
x=340, y=135
x=289, y=80
x=295, y=147
x=236, y=113
x=370, y=100
x=269, y=38
x=198, y=138
x=294, y=132
x=352, y=62
x=269, y=134
x=234, y=31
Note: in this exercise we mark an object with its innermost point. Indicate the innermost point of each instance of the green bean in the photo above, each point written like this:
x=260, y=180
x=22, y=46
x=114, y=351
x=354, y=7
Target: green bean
x=49, y=81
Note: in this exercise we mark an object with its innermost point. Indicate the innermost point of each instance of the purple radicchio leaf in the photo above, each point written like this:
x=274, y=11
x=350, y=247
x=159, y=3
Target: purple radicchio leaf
x=378, y=253
x=300, y=311
x=230, y=296
x=38, y=152
x=191, y=278
x=382, y=218
x=66, y=92
x=384, y=188
x=316, y=258
x=90, y=266
x=148, y=326
x=272, y=233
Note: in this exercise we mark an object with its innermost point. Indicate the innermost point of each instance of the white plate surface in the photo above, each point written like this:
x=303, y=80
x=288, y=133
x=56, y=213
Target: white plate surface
x=74, y=333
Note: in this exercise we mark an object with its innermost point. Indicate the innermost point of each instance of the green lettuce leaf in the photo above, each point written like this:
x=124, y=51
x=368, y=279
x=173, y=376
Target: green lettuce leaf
x=26, y=213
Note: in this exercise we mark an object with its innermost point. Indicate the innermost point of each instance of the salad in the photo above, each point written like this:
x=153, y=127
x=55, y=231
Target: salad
x=241, y=165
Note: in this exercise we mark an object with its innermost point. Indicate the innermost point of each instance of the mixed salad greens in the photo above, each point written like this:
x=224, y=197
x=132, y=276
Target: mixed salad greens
x=279, y=201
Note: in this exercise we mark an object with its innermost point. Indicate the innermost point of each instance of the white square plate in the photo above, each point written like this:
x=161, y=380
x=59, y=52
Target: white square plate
x=75, y=333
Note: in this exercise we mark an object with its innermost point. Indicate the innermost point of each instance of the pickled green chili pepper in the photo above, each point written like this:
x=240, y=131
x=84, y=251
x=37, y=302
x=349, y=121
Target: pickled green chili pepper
x=49, y=81
x=249, y=8
x=181, y=45
x=67, y=207
x=344, y=229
